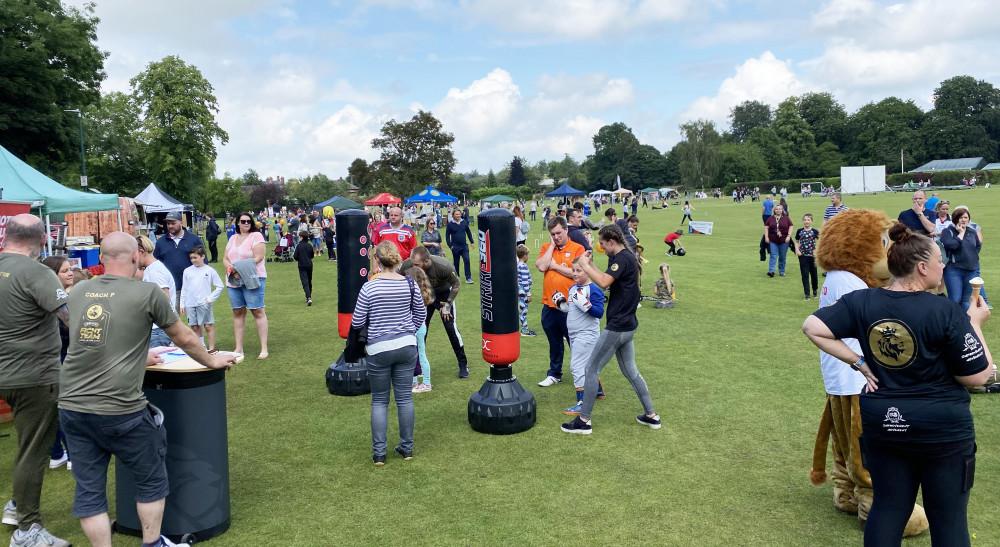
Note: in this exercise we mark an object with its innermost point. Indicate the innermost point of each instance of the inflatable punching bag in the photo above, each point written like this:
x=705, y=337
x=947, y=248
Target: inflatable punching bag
x=344, y=378
x=502, y=406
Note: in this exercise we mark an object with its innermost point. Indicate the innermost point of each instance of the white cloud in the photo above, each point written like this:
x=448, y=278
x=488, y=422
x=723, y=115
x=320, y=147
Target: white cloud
x=480, y=110
x=765, y=79
x=345, y=135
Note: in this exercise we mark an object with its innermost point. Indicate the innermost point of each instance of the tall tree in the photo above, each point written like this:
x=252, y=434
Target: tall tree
x=798, y=139
x=773, y=149
x=116, y=146
x=974, y=107
x=263, y=194
x=651, y=166
x=829, y=160
x=359, y=173
x=701, y=155
x=517, y=176
x=742, y=162
x=826, y=117
x=251, y=178
x=50, y=62
x=616, y=152
x=415, y=154
x=877, y=132
x=179, y=110
x=746, y=116
x=225, y=195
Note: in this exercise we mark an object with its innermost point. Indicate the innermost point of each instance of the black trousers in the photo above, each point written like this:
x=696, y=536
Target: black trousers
x=807, y=267
x=330, y=253
x=440, y=297
x=213, y=250
x=945, y=473
x=306, y=277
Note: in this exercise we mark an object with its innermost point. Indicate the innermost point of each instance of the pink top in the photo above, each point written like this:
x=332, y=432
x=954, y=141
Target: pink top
x=235, y=252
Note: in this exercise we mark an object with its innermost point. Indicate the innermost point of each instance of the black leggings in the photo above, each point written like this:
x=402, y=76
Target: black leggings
x=898, y=469
x=330, y=253
x=306, y=277
x=807, y=267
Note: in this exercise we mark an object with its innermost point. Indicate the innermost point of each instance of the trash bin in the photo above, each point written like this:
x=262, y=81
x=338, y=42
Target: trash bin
x=194, y=407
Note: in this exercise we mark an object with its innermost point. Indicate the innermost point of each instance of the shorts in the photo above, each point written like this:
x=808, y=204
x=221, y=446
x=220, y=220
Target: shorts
x=200, y=315
x=137, y=440
x=242, y=297
x=159, y=338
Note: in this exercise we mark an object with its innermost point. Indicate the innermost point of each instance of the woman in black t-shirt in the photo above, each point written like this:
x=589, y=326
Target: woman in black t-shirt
x=622, y=276
x=919, y=351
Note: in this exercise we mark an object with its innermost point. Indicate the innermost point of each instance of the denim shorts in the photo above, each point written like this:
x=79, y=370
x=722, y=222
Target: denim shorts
x=243, y=297
x=200, y=315
x=159, y=338
x=136, y=440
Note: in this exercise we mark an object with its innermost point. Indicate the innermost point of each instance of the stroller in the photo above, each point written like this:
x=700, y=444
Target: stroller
x=283, y=252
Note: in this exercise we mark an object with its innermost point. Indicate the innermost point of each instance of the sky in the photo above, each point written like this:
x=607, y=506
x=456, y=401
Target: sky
x=304, y=86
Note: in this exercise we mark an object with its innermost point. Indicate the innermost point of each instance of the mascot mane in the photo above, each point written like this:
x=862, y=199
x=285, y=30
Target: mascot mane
x=856, y=241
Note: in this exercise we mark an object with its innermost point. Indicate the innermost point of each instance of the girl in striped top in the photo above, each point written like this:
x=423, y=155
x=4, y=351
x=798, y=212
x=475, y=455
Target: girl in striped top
x=393, y=308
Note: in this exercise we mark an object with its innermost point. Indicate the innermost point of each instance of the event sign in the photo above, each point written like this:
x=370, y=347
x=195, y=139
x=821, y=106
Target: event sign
x=700, y=227
x=8, y=210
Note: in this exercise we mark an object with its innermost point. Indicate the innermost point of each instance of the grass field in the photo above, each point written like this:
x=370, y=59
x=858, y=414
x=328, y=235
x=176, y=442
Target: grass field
x=736, y=383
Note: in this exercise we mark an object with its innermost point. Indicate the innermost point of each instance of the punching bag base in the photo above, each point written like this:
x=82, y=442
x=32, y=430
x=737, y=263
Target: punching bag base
x=502, y=406
x=348, y=379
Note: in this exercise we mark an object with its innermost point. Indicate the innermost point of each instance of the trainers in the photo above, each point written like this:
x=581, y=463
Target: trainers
x=806, y=298
x=770, y=274
x=165, y=542
x=379, y=461
x=69, y=465
x=58, y=462
x=653, y=422
x=407, y=455
x=549, y=381
x=573, y=410
x=10, y=513
x=463, y=371
x=600, y=389
x=992, y=388
x=469, y=281
x=309, y=301
x=36, y=536
x=420, y=388
x=528, y=332
x=577, y=426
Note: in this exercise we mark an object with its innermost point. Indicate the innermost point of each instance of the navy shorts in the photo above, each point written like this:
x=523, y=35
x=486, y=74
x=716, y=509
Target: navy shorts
x=135, y=439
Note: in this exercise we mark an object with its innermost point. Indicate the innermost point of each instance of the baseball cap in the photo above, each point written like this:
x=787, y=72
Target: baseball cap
x=175, y=216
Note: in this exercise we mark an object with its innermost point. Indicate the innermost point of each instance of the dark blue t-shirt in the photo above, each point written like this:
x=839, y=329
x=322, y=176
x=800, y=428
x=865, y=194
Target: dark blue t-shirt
x=768, y=207
x=174, y=254
x=912, y=221
x=915, y=343
x=624, y=297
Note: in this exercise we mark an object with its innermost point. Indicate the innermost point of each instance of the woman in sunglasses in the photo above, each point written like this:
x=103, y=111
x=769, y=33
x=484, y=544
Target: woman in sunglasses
x=247, y=244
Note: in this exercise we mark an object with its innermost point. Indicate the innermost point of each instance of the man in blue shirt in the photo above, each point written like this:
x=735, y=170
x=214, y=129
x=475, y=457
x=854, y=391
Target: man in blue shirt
x=173, y=249
x=918, y=218
x=768, y=208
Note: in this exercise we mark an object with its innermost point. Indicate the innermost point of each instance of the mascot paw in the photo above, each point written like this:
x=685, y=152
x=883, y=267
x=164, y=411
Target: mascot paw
x=917, y=523
x=843, y=500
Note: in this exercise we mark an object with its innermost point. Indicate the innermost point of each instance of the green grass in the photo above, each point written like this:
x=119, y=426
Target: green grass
x=736, y=383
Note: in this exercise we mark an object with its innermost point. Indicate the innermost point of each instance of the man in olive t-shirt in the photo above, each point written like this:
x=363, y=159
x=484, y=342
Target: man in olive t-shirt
x=445, y=282
x=102, y=408
x=31, y=300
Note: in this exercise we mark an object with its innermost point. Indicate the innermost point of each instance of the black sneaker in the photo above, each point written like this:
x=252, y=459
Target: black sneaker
x=577, y=426
x=770, y=274
x=463, y=371
x=993, y=388
x=405, y=454
x=653, y=422
x=379, y=461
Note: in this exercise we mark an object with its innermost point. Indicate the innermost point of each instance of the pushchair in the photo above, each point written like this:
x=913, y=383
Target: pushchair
x=283, y=252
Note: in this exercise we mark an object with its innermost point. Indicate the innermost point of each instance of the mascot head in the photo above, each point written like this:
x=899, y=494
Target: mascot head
x=856, y=241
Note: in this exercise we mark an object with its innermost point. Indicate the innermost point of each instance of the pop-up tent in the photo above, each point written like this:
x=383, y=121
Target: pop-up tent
x=338, y=203
x=21, y=182
x=431, y=195
x=385, y=198
x=565, y=191
x=498, y=198
x=155, y=200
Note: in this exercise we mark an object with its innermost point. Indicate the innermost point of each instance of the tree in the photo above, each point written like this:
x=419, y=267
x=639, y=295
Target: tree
x=491, y=179
x=826, y=117
x=179, y=110
x=616, y=152
x=701, y=155
x=947, y=137
x=263, y=194
x=225, y=195
x=517, y=177
x=965, y=98
x=313, y=189
x=829, y=160
x=50, y=62
x=742, y=162
x=415, y=154
x=359, y=173
x=672, y=165
x=651, y=166
x=746, y=116
x=251, y=178
x=116, y=146
x=797, y=139
x=878, y=131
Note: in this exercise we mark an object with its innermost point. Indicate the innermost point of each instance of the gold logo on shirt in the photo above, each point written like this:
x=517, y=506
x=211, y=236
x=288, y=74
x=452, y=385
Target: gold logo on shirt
x=94, y=311
x=892, y=344
x=614, y=267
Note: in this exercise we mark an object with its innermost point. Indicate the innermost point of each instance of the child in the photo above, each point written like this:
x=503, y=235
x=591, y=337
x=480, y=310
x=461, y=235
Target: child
x=423, y=365
x=807, y=236
x=197, y=295
x=304, y=256
x=523, y=289
x=664, y=289
x=583, y=324
x=673, y=241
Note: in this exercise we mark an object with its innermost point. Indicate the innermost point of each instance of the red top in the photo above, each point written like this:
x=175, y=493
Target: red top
x=671, y=237
x=777, y=231
x=403, y=237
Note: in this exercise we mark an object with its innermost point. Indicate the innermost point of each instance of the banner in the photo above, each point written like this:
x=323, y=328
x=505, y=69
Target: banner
x=700, y=227
x=8, y=210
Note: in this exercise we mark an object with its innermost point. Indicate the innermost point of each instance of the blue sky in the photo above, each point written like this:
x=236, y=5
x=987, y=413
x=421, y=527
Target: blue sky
x=303, y=87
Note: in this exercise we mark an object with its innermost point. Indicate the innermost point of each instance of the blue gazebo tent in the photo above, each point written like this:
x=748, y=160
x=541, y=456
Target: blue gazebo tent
x=430, y=195
x=565, y=191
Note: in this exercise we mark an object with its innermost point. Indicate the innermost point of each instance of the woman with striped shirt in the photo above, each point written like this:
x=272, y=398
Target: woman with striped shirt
x=393, y=308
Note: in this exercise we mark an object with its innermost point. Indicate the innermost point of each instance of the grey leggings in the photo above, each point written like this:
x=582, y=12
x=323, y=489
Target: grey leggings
x=618, y=344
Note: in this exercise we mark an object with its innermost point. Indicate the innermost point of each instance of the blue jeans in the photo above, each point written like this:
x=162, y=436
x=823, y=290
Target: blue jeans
x=956, y=280
x=778, y=252
x=463, y=253
x=393, y=368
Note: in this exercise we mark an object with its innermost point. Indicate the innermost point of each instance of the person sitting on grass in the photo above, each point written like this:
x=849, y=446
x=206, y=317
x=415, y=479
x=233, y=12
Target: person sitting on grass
x=664, y=289
x=198, y=295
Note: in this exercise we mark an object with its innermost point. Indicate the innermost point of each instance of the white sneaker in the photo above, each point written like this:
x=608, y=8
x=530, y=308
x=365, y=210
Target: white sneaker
x=36, y=536
x=549, y=381
x=69, y=466
x=168, y=543
x=57, y=463
x=10, y=513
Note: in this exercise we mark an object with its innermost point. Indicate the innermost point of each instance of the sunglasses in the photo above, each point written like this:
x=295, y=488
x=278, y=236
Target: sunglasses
x=245, y=221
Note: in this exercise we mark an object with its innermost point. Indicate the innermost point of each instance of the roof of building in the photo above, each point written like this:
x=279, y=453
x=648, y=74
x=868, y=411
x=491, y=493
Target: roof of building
x=991, y=166
x=956, y=164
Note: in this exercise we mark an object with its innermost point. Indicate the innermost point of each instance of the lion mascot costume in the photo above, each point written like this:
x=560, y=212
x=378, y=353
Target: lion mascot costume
x=852, y=249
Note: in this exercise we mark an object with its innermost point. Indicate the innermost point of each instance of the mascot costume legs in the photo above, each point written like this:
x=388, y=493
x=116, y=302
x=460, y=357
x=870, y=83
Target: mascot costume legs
x=852, y=252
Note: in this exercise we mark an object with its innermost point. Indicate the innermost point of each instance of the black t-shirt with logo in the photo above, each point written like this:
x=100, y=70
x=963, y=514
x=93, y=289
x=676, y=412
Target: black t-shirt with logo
x=624, y=297
x=915, y=343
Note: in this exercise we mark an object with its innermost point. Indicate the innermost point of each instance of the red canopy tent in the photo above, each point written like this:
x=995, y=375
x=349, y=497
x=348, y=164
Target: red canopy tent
x=385, y=198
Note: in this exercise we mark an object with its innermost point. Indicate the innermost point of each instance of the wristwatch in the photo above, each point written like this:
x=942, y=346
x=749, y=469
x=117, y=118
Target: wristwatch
x=857, y=365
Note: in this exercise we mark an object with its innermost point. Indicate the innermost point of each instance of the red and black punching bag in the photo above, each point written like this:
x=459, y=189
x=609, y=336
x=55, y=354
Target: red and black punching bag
x=353, y=263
